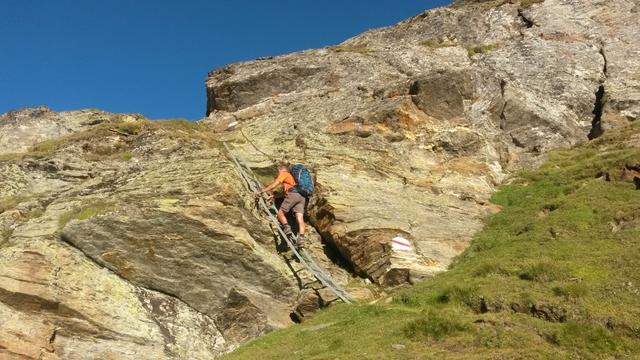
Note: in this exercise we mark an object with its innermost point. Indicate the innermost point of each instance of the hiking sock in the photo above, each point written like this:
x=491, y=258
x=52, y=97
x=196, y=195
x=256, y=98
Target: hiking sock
x=287, y=229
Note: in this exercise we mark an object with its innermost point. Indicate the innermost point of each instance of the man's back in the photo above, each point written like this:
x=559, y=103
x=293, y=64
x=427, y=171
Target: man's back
x=287, y=180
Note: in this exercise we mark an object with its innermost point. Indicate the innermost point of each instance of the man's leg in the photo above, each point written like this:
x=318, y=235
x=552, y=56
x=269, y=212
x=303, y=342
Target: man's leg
x=298, y=209
x=282, y=217
x=282, y=214
x=301, y=225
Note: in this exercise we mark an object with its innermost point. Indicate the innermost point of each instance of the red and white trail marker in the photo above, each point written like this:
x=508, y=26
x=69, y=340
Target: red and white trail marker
x=401, y=244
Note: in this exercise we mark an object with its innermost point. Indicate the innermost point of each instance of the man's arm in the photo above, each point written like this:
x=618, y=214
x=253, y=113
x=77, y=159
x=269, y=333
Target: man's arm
x=271, y=187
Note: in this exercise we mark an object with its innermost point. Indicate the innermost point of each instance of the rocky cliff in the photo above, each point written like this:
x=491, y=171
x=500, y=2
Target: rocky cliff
x=411, y=127
x=126, y=238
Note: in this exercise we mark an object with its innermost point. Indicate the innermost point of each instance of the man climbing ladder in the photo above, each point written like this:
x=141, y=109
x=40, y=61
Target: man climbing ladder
x=305, y=181
x=298, y=186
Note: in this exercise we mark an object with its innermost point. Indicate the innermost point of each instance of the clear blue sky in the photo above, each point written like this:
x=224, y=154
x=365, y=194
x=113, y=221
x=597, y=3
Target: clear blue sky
x=152, y=57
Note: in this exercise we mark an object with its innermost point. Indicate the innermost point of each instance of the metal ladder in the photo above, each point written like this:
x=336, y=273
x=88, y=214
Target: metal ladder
x=252, y=184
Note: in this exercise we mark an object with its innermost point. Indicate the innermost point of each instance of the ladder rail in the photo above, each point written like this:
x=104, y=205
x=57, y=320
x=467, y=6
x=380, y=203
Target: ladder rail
x=252, y=184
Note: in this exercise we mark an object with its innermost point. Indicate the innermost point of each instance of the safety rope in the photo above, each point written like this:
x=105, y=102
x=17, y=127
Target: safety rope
x=252, y=184
x=273, y=159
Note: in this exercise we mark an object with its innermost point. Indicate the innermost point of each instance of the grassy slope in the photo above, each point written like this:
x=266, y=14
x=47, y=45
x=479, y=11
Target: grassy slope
x=546, y=278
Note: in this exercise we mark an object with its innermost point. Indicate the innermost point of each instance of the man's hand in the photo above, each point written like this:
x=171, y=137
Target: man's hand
x=257, y=193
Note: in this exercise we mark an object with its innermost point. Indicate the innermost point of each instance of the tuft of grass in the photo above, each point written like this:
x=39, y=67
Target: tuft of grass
x=178, y=125
x=46, y=147
x=129, y=128
x=571, y=291
x=528, y=3
x=126, y=156
x=480, y=49
x=439, y=43
x=360, y=49
x=586, y=339
x=83, y=213
x=436, y=324
x=542, y=271
x=562, y=285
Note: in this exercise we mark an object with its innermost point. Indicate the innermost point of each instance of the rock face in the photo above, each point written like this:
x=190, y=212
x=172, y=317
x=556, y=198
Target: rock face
x=125, y=238
x=145, y=246
x=411, y=127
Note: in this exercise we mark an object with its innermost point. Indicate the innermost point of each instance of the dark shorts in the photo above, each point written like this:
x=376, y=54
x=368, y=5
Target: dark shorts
x=294, y=201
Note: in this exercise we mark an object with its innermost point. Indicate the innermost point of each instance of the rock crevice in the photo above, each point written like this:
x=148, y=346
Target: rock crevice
x=598, y=108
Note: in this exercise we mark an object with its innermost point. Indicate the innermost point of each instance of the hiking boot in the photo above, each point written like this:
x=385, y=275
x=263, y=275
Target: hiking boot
x=287, y=229
x=300, y=242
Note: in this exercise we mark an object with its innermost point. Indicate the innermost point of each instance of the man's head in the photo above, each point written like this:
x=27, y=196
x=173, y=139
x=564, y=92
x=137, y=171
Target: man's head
x=283, y=166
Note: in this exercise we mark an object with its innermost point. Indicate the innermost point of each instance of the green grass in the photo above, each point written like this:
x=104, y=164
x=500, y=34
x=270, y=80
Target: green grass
x=480, y=49
x=545, y=278
x=437, y=43
x=436, y=325
x=86, y=212
x=178, y=124
x=126, y=156
x=96, y=150
x=129, y=128
x=46, y=147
